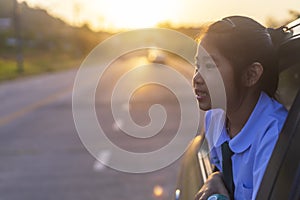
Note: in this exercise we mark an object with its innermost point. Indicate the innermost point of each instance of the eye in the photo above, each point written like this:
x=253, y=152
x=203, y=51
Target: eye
x=209, y=65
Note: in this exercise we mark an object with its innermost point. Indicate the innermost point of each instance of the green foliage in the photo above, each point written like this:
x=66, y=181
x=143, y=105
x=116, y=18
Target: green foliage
x=49, y=44
x=8, y=69
x=37, y=63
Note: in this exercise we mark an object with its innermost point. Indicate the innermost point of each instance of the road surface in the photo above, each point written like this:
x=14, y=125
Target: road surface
x=42, y=156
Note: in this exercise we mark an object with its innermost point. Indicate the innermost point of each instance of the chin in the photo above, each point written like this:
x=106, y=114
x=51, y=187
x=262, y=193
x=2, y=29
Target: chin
x=204, y=107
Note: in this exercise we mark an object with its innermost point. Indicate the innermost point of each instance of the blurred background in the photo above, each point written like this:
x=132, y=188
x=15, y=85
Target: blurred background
x=42, y=45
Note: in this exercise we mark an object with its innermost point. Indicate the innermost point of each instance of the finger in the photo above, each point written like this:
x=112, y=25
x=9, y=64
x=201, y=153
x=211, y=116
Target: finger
x=198, y=195
x=204, y=196
x=201, y=196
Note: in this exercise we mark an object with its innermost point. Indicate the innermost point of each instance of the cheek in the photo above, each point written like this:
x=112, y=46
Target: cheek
x=233, y=89
x=216, y=87
x=231, y=83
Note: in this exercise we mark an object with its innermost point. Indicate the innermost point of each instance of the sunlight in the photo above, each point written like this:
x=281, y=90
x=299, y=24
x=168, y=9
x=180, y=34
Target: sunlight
x=137, y=13
x=131, y=14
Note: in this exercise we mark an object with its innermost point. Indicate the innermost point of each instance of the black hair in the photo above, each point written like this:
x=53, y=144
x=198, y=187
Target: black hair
x=244, y=41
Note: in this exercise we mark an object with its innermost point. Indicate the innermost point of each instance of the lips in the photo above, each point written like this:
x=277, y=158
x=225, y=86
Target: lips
x=201, y=94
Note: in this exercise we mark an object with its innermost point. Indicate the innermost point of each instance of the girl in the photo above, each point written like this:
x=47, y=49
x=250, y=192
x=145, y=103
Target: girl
x=244, y=53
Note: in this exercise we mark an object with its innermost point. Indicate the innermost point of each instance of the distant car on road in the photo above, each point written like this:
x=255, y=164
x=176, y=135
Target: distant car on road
x=156, y=56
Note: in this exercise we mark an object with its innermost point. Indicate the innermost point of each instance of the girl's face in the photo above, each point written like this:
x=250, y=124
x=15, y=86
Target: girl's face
x=209, y=64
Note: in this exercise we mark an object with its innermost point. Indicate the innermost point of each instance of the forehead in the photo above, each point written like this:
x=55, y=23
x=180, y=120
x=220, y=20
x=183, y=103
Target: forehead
x=203, y=55
x=207, y=51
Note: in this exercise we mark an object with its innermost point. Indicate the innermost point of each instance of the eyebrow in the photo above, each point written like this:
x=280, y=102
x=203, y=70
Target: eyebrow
x=211, y=57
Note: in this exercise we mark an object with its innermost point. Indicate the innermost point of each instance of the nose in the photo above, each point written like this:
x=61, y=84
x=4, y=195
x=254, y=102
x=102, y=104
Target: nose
x=197, y=79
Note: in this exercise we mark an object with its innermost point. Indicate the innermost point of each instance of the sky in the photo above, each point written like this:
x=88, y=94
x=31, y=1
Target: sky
x=131, y=14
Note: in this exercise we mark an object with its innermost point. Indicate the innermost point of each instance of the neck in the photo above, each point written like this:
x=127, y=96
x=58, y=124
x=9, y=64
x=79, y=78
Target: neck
x=239, y=115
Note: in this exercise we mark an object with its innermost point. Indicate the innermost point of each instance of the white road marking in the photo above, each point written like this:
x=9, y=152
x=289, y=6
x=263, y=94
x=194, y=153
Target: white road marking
x=102, y=160
x=29, y=108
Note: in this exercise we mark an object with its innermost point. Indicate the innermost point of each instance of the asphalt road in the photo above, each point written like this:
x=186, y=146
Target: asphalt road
x=42, y=156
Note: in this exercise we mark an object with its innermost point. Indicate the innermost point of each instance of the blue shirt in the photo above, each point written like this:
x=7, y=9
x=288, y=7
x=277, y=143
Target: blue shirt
x=252, y=146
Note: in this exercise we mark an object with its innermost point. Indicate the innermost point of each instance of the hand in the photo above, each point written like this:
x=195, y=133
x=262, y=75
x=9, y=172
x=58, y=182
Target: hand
x=213, y=185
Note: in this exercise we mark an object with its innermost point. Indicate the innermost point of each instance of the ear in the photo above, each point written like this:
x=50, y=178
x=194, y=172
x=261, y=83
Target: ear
x=252, y=74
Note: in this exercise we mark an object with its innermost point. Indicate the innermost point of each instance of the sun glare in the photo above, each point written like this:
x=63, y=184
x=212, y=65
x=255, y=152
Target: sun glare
x=131, y=14
x=137, y=13
x=111, y=14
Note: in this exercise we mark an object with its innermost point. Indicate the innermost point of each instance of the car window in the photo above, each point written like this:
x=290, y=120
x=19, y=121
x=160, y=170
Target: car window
x=289, y=82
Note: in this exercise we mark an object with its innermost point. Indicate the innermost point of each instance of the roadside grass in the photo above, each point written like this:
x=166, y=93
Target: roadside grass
x=37, y=63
